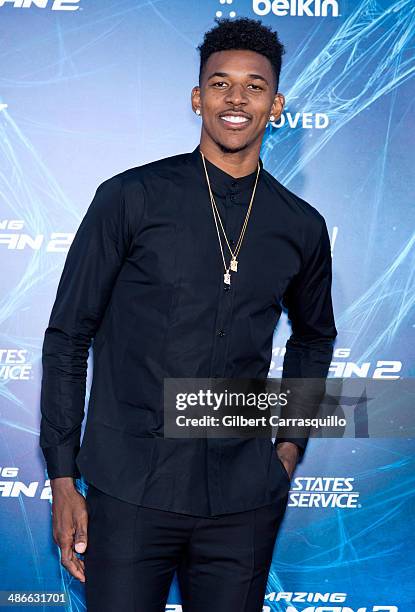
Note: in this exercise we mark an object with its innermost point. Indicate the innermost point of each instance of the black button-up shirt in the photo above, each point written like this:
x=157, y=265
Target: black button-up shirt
x=143, y=282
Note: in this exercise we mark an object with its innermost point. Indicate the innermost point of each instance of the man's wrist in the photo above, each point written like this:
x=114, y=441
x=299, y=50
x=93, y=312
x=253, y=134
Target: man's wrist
x=63, y=483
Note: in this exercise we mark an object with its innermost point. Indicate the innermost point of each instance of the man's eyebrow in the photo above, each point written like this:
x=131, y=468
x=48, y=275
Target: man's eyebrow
x=225, y=74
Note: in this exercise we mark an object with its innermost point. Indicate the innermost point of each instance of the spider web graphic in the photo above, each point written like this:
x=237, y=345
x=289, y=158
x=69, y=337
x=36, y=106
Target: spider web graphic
x=370, y=56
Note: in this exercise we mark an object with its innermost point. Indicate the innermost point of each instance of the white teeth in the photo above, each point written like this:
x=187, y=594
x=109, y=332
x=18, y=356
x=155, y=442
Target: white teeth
x=234, y=119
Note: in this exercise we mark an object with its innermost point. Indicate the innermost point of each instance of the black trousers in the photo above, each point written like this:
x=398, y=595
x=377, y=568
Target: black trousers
x=222, y=563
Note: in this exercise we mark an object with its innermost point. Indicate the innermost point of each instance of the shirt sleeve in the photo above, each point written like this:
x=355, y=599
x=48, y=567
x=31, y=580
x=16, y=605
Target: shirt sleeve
x=92, y=264
x=309, y=349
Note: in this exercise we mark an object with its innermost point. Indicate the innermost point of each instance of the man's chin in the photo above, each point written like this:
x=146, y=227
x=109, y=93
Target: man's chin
x=231, y=147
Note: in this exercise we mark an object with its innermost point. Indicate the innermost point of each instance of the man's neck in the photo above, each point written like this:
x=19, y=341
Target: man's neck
x=237, y=164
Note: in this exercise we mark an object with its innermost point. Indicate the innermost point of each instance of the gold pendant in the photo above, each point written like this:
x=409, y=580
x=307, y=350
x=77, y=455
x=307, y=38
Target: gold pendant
x=234, y=265
x=227, y=278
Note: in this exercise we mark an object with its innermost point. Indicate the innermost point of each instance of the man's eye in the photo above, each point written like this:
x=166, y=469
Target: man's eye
x=220, y=83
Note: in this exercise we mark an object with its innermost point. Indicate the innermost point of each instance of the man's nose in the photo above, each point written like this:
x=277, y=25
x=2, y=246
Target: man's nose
x=236, y=94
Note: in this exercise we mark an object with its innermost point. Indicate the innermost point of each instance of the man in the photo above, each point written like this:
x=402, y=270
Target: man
x=179, y=269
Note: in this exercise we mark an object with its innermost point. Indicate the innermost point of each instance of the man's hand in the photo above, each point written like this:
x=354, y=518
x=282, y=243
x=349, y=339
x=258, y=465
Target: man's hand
x=288, y=453
x=70, y=523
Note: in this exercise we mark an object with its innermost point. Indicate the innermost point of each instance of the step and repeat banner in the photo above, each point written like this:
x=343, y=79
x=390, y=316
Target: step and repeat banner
x=90, y=88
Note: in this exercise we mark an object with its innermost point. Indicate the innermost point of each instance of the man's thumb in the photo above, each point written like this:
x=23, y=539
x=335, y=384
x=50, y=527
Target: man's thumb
x=81, y=541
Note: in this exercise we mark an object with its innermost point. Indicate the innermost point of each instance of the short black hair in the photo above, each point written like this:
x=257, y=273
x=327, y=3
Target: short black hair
x=242, y=33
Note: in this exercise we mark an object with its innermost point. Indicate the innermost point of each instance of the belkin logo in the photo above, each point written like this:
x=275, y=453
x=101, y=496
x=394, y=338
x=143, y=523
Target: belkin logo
x=296, y=8
x=54, y=5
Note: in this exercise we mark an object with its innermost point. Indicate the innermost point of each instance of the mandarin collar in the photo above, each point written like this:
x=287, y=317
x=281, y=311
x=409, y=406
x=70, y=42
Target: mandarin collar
x=221, y=182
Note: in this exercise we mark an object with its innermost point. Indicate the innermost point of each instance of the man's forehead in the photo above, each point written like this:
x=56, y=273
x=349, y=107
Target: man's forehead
x=238, y=62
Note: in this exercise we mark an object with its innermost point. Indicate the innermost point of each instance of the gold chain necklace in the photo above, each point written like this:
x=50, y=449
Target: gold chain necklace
x=234, y=254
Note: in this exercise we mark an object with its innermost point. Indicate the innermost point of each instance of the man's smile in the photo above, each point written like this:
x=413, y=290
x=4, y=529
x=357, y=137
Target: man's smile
x=235, y=120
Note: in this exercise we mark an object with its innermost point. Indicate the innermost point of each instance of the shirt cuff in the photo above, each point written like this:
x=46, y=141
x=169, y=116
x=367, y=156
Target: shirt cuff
x=60, y=461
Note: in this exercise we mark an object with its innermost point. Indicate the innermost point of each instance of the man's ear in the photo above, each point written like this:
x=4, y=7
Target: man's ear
x=277, y=105
x=195, y=98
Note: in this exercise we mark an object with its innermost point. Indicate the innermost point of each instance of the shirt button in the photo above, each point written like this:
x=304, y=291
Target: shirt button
x=226, y=287
x=232, y=198
x=221, y=333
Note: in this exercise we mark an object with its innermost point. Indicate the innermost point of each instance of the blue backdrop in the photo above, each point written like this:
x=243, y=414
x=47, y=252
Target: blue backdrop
x=92, y=87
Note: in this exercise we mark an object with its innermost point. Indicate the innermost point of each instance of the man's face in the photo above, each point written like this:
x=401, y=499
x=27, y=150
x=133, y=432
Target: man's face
x=236, y=98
